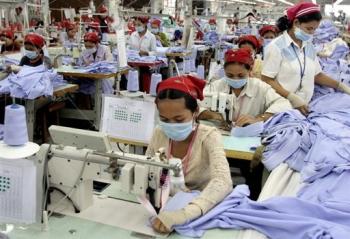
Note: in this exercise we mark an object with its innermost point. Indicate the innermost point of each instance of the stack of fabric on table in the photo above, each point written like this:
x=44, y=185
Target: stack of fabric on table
x=31, y=82
x=319, y=148
x=332, y=52
x=101, y=67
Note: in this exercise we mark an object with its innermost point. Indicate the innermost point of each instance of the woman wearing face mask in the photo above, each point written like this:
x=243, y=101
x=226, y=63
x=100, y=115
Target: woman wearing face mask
x=267, y=34
x=198, y=146
x=253, y=99
x=291, y=66
x=143, y=40
x=71, y=39
x=162, y=39
x=254, y=45
x=211, y=34
x=94, y=52
x=33, y=51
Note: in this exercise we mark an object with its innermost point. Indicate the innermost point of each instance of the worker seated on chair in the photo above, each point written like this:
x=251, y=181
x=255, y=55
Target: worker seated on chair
x=199, y=147
x=10, y=44
x=94, y=52
x=71, y=39
x=252, y=43
x=252, y=99
x=162, y=39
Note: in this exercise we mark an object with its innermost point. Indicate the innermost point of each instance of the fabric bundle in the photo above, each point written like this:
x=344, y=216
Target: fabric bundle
x=101, y=67
x=319, y=148
x=29, y=82
x=326, y=32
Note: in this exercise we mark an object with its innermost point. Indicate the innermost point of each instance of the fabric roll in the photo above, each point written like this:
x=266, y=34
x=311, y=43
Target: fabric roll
x=15, y=131
x=155, y=79
x=133, y=81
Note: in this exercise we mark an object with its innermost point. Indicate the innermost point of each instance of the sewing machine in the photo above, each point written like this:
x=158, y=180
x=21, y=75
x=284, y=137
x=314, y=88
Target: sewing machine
x=79, y=156
x=219, y=102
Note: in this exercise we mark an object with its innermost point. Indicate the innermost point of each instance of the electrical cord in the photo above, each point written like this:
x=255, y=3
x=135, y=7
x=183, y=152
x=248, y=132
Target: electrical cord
x=69, y=194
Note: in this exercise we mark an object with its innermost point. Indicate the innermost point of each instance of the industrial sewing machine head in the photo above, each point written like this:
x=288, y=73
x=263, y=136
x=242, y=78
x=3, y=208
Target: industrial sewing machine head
x=79, y=156
x=219, y=102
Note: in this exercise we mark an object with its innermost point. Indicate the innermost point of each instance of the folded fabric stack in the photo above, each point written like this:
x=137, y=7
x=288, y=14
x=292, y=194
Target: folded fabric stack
x=10, y=61
x=31, y=82
x=331, y=50
x=211, y=37
x=176, y=50
x=319, y=148
x=101, y=67
x=326, y=32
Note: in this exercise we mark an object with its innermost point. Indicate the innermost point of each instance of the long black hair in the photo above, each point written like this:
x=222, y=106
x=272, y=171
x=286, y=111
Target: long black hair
x=284, y=24
x=172, y=94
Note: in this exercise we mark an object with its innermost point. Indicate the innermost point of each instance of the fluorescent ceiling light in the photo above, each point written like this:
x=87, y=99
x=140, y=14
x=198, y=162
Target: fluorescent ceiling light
x=338, y=2
x=233, y=1
x=286, y=2
x=266, y=2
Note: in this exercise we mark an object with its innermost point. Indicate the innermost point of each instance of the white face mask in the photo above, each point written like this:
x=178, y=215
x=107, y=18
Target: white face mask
x=91, y=50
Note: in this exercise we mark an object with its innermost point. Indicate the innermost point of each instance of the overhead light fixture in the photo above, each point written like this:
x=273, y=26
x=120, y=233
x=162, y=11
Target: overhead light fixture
x=286, y=2
x=266, y=2
x=338, y=2
x=233, y=1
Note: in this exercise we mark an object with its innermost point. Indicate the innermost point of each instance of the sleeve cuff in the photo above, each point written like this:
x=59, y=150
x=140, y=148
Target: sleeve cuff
x=269, y=74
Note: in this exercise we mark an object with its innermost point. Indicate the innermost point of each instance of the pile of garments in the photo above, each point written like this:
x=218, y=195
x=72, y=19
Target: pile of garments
x=101, y=67
x=326, y=32
x=332, y=52
x=211, y=37
x=178, y=49
x=31, y=82
x=134, y=56
x=319, y=148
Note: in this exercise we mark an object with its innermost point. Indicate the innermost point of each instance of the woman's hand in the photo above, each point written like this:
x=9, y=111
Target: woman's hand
x=304, y=110
x=158, y=226
x=143, y=53
x=246, y=120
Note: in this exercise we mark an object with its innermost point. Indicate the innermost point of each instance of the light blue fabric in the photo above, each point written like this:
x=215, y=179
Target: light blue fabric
x=279, y=217
x=252, y=130
x=31, y=82
x=319, y=148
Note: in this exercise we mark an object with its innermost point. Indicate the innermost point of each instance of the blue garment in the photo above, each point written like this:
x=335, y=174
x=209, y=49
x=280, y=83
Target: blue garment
x=279, y=217
x=326, y=32
x=252, y=130
x=319, y=148
x=211, y=37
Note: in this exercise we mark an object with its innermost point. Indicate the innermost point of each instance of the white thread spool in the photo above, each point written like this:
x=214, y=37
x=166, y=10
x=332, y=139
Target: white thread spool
x=155, y=80
x=200, y=71
x=15, y=131
x=133, y=81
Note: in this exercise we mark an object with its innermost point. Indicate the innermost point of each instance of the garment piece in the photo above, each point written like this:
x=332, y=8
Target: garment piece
x=279, y=217
x=146, y=43
x=29, y=82
x=252, y=130
x=256, y=98
x=281, y=63
x=207, y=170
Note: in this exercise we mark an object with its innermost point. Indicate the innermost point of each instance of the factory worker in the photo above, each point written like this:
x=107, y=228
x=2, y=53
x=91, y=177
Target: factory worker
x=94, y=52
x=103, y=19
x=71, y=39
x=229, y=26
x=162, y=39
x=198, y=146
x=291, y=66
x=211, y=34
x=267, y=34
x=252, y=43
x=253, y=99
x=18, y=17
x=33, y=51
x=9, y=41
x=212, y=24
x=143, y=40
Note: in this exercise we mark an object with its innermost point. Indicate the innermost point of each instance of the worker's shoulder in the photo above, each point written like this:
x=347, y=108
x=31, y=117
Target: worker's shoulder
x=258, y=84
x=204, y=131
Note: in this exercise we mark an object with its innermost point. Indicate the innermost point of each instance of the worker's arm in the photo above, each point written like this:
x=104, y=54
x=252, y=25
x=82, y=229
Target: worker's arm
x=276, y=86
x=324, y=80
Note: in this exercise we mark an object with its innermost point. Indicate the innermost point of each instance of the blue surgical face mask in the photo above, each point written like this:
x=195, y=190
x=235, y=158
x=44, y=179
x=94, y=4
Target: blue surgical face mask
x=155, y=30
x=140, y=29
x=267, y=41
x=31, y=54
x=301, y=35
x=212, y=27
x=236, y=83
x=177, y=131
